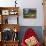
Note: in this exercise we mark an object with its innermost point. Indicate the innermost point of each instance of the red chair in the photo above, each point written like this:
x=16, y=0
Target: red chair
x=29, y=33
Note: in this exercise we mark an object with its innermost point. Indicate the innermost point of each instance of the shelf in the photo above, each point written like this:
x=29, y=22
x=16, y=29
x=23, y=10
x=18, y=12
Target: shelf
x=11, y=41
x=6, y=12
x=2, y=8
x=10, y=26
x=9, y=10
x=9, y=20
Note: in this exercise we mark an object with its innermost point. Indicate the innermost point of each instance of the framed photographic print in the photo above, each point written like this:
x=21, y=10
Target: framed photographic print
x=5, y=12
x=29, y=13
x=12, y=12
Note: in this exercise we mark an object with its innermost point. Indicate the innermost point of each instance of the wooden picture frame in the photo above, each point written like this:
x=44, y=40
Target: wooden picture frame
x=13, y=12
x=29, y=13
x=5, y=12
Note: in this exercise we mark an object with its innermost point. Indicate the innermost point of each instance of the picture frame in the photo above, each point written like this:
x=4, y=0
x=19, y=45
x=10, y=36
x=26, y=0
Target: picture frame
x=5, y=12
x=13, y=12
x=29, y=13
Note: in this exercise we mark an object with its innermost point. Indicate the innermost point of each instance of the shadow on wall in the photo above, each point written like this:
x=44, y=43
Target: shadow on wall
x=37, y=29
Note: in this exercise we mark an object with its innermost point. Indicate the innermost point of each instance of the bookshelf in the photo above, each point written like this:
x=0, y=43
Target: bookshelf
x=9, y=23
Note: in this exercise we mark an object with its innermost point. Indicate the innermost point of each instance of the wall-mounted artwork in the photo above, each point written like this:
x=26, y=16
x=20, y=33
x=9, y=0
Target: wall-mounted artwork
x=29, y=13
x=5, y=12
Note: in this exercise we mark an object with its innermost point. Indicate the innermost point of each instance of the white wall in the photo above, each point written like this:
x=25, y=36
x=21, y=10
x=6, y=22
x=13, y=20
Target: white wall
x=31, y=4
x=27, y=4
x=7, y=3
